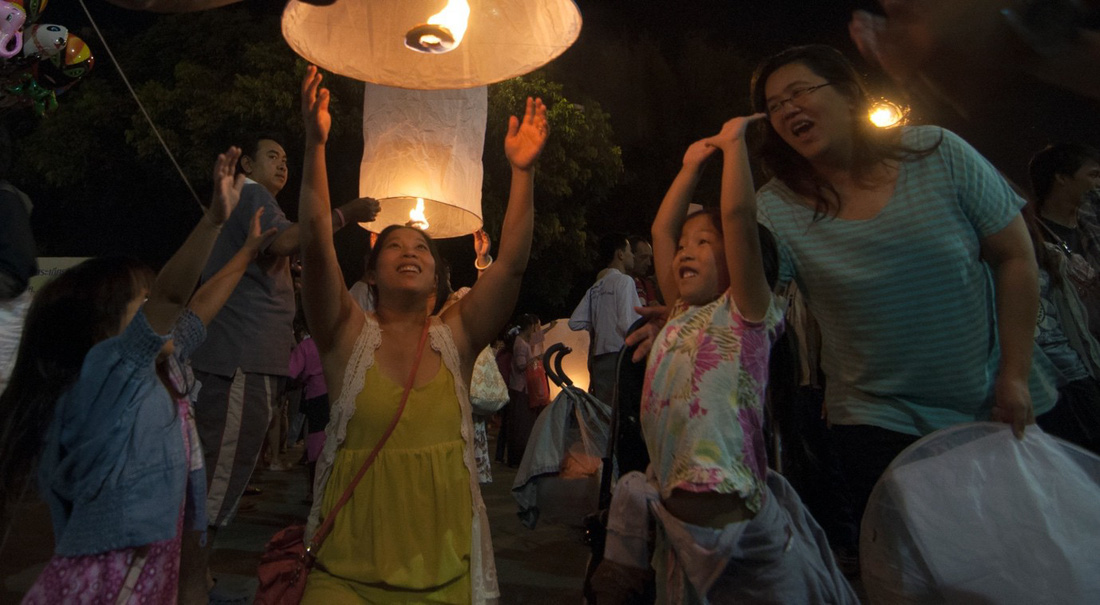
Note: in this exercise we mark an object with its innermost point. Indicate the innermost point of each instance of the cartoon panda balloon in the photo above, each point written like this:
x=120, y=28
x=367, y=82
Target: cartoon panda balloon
x=59, y=72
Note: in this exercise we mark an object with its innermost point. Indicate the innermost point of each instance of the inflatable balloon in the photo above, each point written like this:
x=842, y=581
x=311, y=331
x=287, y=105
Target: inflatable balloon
x=31, y=8
x=44, y=40
x=61, y=71
x=12, y=18
x=28, y=92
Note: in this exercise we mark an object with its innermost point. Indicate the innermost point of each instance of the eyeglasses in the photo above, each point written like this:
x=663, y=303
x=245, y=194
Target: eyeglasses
x=778, y=104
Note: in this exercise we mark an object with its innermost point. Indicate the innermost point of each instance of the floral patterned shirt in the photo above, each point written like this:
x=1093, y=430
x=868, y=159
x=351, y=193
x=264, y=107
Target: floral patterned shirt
x=702, y=405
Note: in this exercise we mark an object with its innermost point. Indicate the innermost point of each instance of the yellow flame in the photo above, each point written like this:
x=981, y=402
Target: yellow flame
x=885, y=114
x=417, y=218
x=454, y=17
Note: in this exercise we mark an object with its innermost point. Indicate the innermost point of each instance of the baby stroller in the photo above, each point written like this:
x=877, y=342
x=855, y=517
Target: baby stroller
x=626, y=452
x=559, y=476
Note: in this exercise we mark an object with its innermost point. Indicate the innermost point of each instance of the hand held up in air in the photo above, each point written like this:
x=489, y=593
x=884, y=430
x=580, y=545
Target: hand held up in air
x=362, y=210
x=482, y=243
x=525, y=138
x=315, y=113
x=258, y=239
x=227, y=186
x=698, y=153
x=733, y=131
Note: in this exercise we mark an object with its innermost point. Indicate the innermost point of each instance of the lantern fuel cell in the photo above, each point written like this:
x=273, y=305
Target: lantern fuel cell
x=422, y=151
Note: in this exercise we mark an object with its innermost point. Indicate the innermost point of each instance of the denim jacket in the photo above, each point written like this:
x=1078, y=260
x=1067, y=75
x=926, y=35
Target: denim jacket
x=113, y=468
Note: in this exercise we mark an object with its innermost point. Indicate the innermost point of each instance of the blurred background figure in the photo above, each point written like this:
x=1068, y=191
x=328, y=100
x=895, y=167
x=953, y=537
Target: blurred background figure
x=18, y=261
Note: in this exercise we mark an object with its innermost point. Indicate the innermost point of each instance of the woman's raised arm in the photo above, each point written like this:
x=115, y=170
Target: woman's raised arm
x=482, y=312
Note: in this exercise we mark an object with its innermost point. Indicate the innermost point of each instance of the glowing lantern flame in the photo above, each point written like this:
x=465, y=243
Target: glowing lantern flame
x=416, y=216
x=886, y=114
x=444, y=30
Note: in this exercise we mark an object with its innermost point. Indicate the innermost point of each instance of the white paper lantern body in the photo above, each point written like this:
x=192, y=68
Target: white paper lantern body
x=365, y=40
x=424, y=144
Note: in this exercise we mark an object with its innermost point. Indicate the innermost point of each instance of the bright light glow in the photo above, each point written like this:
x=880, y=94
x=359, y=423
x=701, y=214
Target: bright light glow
x=454, y=17
x=416, y=216
x=886, y=114
x=444, y=30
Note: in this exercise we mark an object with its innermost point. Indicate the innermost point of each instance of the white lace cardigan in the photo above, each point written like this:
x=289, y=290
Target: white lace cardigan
x=483, y=571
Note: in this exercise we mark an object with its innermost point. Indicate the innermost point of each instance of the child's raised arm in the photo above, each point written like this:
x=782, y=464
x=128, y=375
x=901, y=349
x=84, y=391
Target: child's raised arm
x=177, y=279
x=670, y=217
x=748, y=284
x=212, y=295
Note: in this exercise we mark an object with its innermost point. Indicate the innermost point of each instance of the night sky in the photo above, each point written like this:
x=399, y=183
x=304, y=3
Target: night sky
x=669, y=73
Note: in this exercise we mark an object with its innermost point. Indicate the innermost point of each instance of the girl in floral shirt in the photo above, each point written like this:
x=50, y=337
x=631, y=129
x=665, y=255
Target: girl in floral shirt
x=725, y=530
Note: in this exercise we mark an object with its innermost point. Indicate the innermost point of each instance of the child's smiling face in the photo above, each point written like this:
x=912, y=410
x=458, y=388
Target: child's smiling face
x=700, y=261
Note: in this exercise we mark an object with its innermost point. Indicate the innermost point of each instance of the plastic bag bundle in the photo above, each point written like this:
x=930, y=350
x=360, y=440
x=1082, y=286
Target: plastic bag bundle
x=970, y=514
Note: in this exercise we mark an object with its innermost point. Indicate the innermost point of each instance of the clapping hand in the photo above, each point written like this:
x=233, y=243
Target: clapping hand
x=227, y=186
x=526, y=137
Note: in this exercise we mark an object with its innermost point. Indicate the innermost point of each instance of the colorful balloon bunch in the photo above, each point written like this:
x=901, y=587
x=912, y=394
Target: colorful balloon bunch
x=38, y=61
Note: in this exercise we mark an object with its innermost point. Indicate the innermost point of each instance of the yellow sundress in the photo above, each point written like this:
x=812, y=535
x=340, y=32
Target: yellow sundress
x=405, y=534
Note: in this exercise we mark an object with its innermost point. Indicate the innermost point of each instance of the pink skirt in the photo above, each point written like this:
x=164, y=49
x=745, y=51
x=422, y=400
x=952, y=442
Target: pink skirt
x=150, y=573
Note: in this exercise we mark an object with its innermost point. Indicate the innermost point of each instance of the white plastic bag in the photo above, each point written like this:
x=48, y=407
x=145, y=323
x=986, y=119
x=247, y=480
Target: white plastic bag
x=970, y=514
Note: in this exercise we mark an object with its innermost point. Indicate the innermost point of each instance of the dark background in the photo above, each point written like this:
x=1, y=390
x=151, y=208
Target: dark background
x=668, y=73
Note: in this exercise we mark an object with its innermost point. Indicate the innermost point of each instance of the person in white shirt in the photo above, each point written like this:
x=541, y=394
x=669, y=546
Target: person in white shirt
x=606, y=312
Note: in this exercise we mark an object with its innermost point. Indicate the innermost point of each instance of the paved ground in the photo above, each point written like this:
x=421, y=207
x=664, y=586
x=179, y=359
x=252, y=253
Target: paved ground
x=544, y=565
x=541, y=566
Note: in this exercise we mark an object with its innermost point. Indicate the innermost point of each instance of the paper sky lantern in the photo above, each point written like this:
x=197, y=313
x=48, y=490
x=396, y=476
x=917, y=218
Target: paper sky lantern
x=422, y=158
x=417, y=44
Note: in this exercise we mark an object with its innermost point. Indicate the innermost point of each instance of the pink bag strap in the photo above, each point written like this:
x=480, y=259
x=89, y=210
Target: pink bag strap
x=319, y=537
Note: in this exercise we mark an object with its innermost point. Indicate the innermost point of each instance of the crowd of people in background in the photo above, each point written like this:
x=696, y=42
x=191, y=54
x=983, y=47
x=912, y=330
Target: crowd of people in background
x=895, y=271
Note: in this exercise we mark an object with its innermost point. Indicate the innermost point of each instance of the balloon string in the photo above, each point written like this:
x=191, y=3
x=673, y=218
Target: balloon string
x=148, y=119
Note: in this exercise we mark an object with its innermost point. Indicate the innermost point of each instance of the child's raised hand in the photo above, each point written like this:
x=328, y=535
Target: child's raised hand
x=227, y=186
x=525, y=138
x=315, y=113
x=697, y=153
x=258, y=240
x=733, y=131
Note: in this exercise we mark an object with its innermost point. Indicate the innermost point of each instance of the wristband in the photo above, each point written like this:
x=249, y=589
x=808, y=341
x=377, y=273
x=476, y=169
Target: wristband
x=341, y=215
x=479, y=267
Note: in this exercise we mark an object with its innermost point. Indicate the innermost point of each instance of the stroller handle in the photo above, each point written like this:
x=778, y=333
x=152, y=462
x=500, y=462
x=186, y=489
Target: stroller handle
x=551, y=363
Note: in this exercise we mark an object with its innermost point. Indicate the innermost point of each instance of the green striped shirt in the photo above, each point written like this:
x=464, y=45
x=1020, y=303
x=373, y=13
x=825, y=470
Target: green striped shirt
x=905, y=305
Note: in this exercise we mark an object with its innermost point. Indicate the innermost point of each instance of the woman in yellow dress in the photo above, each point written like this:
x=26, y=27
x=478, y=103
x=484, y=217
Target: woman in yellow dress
x=415, y=528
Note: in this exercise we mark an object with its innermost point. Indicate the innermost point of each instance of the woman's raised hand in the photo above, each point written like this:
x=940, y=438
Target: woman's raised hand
x=482, y=243
x=526, y=137
x=733, y=131
x=227, y=186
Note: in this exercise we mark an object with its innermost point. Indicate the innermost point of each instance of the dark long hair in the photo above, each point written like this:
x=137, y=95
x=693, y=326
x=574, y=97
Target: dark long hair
x=871, y=146
x=441, y=285
x=69, y=315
